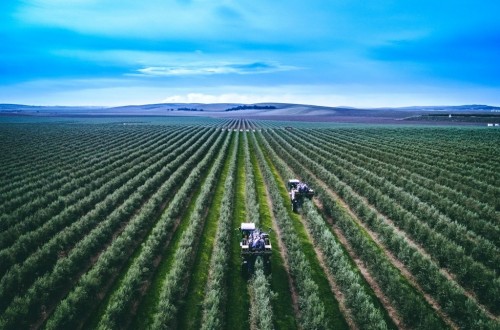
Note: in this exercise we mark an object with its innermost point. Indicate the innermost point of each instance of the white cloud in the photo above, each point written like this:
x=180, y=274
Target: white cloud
x=110, y=92
x=207, y=69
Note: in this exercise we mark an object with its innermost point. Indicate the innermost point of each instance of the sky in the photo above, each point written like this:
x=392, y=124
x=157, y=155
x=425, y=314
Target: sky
x=325, y=52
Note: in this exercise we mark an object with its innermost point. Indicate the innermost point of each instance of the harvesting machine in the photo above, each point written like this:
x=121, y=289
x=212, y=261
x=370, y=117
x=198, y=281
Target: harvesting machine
x=254, y=244
x=297, y=191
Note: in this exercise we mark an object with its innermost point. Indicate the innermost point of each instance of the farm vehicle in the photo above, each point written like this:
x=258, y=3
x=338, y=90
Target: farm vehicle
x=298, y=191
x=254, y=244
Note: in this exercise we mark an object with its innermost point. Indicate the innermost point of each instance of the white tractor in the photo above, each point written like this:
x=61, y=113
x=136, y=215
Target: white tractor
x=254, y=244
x=297, y=191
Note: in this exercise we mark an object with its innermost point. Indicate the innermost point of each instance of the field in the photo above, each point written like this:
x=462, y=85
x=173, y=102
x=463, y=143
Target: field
x=131, y=223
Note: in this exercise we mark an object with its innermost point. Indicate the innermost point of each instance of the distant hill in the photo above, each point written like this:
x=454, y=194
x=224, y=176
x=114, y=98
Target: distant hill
x=275, y=111
x=471, y=107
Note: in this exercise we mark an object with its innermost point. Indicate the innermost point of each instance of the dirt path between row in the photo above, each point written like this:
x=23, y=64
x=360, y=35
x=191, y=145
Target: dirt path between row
x=282, y=249
x=333, y=284
x=369, y=279
x=404, y=271
x=449, y=276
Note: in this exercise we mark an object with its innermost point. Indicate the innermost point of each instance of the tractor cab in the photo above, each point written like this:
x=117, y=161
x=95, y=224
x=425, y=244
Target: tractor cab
x=297, y=191
x=293, y=184
x=254, y=243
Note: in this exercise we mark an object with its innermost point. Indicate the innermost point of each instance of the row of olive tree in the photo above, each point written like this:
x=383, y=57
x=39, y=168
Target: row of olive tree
x=216, y=288
x=471, y=147
x=312, y=310
x=38, y=229
x=176, y=282
x=409, y=304
x=469, y=273
x=30, y=166
x=476, y=215
x=388, y=178
x=39, y=185
x=452, y=298
x=470, y=212
x=361, y=306
x=261, y=312
x=251, y=205
x=20, y=276
x=116, y=313
x=29, y=307
x=443, y=170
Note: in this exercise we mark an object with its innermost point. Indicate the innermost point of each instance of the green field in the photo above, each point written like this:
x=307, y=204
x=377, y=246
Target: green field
x=131, y=223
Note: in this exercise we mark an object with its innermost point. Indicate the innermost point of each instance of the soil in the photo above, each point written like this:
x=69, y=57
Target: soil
x=333, y=284
x=391, y=258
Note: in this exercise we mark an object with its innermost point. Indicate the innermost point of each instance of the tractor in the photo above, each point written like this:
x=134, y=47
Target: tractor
x=254, y=244
x=297, y=191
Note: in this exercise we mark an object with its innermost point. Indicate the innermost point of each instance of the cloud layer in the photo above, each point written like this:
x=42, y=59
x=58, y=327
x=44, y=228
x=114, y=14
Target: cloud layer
x=207, y=69
x=384, y=49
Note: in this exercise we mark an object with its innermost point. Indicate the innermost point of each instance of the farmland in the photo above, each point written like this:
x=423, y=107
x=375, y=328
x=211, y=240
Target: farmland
x=113, y=224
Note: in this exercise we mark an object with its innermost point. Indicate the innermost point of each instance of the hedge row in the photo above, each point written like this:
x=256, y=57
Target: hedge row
x=312, y=310
x=216, y=288
x=177, y=280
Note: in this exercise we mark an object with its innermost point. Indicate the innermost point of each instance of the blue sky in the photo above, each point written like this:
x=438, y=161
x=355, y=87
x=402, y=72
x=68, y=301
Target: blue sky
x=334, y=52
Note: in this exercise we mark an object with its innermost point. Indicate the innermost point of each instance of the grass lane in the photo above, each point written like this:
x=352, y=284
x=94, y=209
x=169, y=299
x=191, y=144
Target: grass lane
x=282, y=306
x=332, y=311
x=191, y=313
x=144, y=315
x=237, y=309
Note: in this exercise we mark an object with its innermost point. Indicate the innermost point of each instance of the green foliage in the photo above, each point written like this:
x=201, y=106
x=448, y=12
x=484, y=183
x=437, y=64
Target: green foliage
x=261, y=313
x=251, y=204
x=310, y=305
x=215, y=292
x=88, y=211
x=470, y=273
x=462, y=310
x=115, y=254
x=175, y=283
x=364, y=312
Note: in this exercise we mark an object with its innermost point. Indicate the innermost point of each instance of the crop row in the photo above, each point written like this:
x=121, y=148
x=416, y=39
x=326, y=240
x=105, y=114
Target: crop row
x=285, y=308
x=312, y=310
x=48, y=288
x=42, y=167
x=175, y=284
x=251, y=204
x=21, y=275
x=21, y=152
x=65, y=182
x=408, y=303
x=215, y=291
x=438, y=143
x=358, y=301
x=143, y=265
x=447, y=183
x=451, y=297
x=386, y=179
x=434, y=168
x=430, y=177
x=469, y=273
x=261, y=312
x=140, y=269
x=87, y=190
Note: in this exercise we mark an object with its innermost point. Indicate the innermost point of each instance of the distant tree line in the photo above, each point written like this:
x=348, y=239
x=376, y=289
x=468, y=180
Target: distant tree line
x=189, y=109
x=252, y=107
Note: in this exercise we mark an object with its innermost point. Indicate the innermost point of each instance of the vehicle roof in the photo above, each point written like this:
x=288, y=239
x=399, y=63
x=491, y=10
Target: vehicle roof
x=247, y=226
